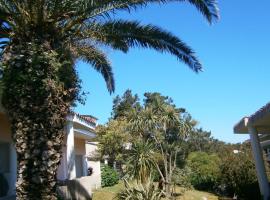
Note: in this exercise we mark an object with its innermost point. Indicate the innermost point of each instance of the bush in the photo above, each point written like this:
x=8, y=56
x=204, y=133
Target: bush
x=3, y=186
x=146, y=191
x=181, y=177
x=205, y=171
x=109, y=176
x=239, y=176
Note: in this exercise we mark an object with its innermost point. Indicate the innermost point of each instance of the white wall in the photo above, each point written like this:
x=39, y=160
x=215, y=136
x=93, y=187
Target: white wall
x=95, y=178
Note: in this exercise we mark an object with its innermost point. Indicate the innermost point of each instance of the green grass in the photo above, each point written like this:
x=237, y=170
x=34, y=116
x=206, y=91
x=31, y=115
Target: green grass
x=109, y=193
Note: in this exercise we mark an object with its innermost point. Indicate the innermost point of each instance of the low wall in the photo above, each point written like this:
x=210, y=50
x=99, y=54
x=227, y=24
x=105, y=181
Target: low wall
x=77, y=189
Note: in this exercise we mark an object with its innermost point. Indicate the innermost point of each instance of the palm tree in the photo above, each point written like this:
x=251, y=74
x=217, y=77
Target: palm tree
x=40, y=42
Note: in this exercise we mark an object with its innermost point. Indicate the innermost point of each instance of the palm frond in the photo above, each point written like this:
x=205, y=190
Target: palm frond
x=90, y=9
x=62, y=10
x=132, y=34
x=98, y=60
x=85, y=9
x=209, y=8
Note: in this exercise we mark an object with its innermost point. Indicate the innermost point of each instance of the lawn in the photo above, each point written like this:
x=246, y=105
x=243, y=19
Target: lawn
x=108, y=193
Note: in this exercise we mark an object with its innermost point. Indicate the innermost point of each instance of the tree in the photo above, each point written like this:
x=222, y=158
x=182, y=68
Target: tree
x=199, y=140
x=205, y=171
x=40, y=43
x=112, y=138
x=123, y=105
x=161, y=123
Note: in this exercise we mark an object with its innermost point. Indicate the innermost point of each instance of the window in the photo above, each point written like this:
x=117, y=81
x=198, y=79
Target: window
x=4, y=157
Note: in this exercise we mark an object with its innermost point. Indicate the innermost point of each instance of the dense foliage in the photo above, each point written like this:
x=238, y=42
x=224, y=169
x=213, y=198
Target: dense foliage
x=182, y=177
x=124, y=104
x=164, y=143
x=154, y=133
x=205, y=170
x=109, y=176
x=238, y=174
x=112, y=138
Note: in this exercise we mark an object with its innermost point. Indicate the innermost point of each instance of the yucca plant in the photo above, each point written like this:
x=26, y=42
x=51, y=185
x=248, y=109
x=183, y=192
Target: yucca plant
x=141, y=161
x=147, y=191
x=40, y=41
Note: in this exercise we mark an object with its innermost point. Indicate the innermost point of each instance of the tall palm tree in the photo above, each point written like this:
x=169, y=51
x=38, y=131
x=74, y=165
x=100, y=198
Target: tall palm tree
x=40, y=40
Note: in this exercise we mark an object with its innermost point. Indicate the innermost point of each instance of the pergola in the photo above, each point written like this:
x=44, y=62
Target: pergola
x=257, y=123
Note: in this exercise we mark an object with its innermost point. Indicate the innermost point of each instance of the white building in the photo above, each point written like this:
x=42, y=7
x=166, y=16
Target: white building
x=257, y=126
x=80, y=129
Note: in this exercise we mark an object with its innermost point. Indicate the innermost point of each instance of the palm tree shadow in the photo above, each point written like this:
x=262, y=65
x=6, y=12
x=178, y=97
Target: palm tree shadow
x=75, y=189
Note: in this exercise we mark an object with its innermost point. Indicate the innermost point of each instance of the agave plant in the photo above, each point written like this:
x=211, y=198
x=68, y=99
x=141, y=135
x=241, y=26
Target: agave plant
x=148, y=191
x=40, y=41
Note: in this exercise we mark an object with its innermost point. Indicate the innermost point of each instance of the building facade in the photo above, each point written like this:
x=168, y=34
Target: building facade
x=80, y=129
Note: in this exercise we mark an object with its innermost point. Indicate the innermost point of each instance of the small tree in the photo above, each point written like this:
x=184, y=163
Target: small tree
x=141, y=161
x=112, y=138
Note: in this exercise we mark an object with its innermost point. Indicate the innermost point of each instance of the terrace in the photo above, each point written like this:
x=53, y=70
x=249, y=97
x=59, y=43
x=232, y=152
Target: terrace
x=257, y=126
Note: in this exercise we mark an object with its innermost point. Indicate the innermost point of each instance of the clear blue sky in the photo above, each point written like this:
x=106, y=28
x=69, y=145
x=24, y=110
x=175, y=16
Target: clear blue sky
x=235, y=53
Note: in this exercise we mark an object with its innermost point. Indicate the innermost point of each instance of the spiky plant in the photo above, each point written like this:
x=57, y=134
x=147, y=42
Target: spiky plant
x=40, y=41
x=141, y=161
x=147, y=191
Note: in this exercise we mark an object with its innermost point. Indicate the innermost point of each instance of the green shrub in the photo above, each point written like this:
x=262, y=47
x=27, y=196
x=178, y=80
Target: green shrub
x=109, y=176
x=181, y=177
x=146, y=191
x=238, y=174
x=205, y=171
x=3, y=186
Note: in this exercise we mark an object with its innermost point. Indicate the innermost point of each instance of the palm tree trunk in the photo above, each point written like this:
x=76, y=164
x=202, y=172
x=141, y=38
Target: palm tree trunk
x=37, y=105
